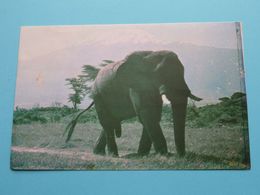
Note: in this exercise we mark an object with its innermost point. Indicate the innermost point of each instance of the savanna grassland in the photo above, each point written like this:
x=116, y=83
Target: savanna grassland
x=216, y=138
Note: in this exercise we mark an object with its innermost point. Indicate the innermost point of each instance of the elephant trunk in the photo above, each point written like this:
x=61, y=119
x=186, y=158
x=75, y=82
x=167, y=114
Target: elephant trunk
x=179, y=115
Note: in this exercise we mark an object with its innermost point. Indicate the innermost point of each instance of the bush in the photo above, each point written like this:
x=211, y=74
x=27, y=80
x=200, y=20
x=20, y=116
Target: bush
x=27, y=117
x=229, y=111
x=41, y=114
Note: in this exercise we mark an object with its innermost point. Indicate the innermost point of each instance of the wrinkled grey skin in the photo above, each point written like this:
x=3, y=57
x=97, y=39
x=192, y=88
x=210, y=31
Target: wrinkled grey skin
x=133, y=87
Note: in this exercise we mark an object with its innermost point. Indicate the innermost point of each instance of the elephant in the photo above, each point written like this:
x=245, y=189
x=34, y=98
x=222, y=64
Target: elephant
x=134, y=87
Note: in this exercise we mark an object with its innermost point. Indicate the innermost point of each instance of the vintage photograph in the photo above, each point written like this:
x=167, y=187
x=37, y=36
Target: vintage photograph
x=131, y=97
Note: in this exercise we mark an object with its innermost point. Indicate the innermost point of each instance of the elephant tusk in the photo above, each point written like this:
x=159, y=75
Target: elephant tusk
x=193, y=97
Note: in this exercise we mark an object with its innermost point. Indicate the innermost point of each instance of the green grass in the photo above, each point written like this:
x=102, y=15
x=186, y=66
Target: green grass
x=215, y=136
x=41, y=146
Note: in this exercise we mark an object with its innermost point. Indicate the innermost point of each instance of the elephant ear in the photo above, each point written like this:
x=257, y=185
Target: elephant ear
x=133, y=69
x=170, y=74
x=159, y=68
x=167, y=65
x=136, y=62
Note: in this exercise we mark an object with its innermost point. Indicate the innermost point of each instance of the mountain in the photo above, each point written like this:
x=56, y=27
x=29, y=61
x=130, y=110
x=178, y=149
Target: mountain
x=210, y=72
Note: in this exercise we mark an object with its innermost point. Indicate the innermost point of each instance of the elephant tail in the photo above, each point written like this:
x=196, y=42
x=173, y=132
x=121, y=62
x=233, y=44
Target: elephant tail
x=71, y=126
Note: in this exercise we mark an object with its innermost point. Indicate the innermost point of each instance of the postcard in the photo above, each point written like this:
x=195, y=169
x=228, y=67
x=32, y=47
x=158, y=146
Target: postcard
x=131, y=97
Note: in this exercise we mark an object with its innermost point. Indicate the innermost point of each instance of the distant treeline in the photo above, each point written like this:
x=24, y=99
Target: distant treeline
x=229, y=111
x=41, y=114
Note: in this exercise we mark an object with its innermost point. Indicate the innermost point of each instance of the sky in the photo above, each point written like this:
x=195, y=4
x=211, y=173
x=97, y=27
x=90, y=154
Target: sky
x=41, y=40
x=50, y=54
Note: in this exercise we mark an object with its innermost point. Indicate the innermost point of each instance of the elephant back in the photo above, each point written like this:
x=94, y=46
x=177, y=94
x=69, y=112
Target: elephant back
x=119, y=74
x=135, y=71
x=113, y=93
x=105, y=78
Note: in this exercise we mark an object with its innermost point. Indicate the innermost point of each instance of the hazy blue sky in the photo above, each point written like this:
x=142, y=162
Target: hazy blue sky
x=49, y=54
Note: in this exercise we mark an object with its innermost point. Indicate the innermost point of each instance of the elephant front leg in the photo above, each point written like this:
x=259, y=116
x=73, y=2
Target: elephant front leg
x=144, y=144
x=148, y=106
x=153, y=129
x=100, y=145
x=179, y=115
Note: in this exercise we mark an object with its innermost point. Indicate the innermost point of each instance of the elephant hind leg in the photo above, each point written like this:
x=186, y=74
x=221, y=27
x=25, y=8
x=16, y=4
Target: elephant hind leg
x=107, y=137
x=111, y=142
x=109, y=134
x=153, y=129
x=100, y=146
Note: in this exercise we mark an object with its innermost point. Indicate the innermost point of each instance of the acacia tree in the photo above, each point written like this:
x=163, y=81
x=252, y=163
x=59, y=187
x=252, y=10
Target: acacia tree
x=88, y=75
x=81, y=85
x=77, y=85
x=90, y=72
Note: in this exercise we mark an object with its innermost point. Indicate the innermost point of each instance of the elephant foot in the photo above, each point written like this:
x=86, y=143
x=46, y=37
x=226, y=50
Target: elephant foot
x=133, y=156
x=100, y=146
x=99, y=152
x=103, y=153
x=165, y=154
x=141, y=153
x=112, y=150
x=181, y=153
x=113, y=154
x=161, y=150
